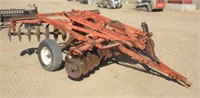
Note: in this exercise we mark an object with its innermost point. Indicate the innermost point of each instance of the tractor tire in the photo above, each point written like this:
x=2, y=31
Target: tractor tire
x=161, y=10
x=101, y=6
x=148, y=7
x=108, y=6
x=50, y=55
x=120, y=7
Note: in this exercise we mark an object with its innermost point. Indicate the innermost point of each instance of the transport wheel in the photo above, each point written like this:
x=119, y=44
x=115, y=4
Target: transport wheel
x=108, y=6
x=148, y=7
x=50, y=55
x=120, y=6
x=161, y=10
x=101, y=6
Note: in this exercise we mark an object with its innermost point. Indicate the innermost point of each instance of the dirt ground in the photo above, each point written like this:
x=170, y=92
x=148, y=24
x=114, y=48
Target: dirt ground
x=177, y=40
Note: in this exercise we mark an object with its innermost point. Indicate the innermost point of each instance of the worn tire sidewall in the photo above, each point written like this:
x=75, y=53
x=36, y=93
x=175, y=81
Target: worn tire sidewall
x=149, y=8
x=55, y=52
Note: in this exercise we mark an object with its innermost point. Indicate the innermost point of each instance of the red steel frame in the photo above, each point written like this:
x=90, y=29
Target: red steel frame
x=99, y=29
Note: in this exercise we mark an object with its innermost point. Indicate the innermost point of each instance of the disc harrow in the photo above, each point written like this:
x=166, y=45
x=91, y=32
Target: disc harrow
x=88, y=38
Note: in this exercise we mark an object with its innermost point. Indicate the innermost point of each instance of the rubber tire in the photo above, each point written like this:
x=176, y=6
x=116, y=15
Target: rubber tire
x=101, y=6
x=108, y=6
x=120, y=7
x=161, y=10
x=55, y=52
x=149, y=9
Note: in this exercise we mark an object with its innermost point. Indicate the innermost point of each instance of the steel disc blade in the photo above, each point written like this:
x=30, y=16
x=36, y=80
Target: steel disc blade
x=29, y=34
x=101, y=53
x=9, y=34
x=83, y=65
x=47, y=33
x=107, y=54
x=38, y=33
x=96, y=60
x=88, y=63
x=64, y=37
x=73, y=68
x=55, y=37
x=90, y=59
x=19, y=33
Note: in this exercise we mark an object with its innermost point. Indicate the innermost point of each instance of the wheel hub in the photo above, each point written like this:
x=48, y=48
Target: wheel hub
x=46, y=56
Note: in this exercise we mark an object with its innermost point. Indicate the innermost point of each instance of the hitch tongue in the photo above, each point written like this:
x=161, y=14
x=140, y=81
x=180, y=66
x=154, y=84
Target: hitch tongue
x=185, y=83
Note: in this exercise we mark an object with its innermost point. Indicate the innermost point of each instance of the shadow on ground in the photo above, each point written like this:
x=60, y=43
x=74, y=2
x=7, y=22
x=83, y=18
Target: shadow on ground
x=122, y=60
x=28, y=51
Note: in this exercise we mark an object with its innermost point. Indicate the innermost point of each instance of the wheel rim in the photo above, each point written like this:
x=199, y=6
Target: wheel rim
x=46, y=56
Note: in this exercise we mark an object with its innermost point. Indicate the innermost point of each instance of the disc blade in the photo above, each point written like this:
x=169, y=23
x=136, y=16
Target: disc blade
x=19, y=33
x=55, y=37
x=90, y=59
x=64, y=36
x=101, y=53
x=107, y=54
x=38, y=33
x=29, y=34
x=47, y=33
x=73, y=68
x=9, y=34
x=96, y=60
x=83, y=65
